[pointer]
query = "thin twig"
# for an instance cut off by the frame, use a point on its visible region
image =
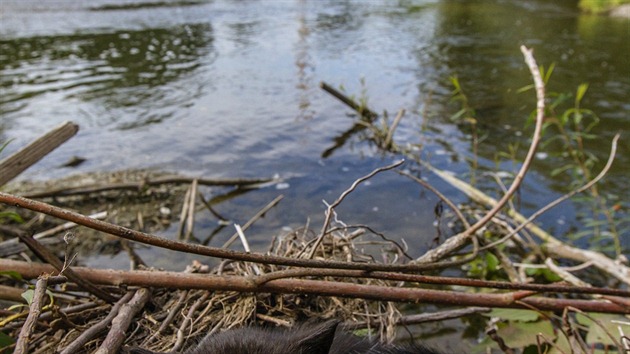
(458, 241)
(254, 218)
(390, 132)
(47, 256)
(331, 207)
(602, 173)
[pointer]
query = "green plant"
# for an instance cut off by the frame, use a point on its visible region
(568, 129)
(466, 116)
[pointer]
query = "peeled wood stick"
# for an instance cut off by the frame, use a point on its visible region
(96, 329)
(254, 218)
(15, 164)
(174, 280)
(190, 220)
(392, 129)
(121, 322)
(35, 310)
(182, 215)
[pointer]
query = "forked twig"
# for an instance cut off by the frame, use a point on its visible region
(331, 207)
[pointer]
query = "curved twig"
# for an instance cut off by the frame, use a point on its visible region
(331, 207)
(604, 171)
(458, 241)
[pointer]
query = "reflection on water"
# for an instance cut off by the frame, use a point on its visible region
(230, 88)
(109, 70)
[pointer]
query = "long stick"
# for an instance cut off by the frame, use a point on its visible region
(174, 280)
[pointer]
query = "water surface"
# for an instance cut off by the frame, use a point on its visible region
(230, 89)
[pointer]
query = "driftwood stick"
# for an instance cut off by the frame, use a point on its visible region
(121, 322)
(190, 220)
(96, 329)
(182, 215)
(239, 182)
(172, 280)
(364, 111)
(15, 164)
(392, 129)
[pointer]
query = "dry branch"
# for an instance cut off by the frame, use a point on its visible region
(46, 255)
(15, 164)
(363, 111)
(135, 186)
(153, 240)
(172, 280)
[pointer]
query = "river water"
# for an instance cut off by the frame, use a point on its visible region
(231, 89)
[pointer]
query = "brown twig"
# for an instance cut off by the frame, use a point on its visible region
(174, 280)
(331, 207)
(153, 240)
(43, 253)
(35, 308)
(363, 111)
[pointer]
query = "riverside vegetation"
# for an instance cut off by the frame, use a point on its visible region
(528, 290)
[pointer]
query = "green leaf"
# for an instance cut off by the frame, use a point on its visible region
(514, 314)
(5, 144)
(547, 75)
(11, 274)
(11, 215)
(5, 340)
(596, 332)
(522, 334)
(492, 261)
(581, 90)
(28, 296)
(525, 88)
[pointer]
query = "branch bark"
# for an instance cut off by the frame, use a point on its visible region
(172, 280)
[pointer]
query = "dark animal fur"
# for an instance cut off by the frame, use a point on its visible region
(322, 338)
